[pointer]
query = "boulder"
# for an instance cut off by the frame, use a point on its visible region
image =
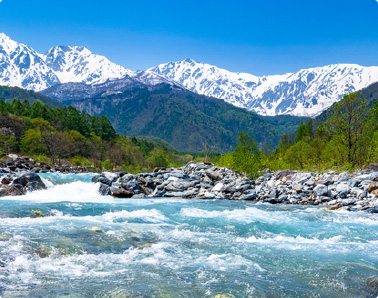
(121, 193)
(372, 186)
(343, 187)
(218, 187)
(101, 179)
(213, 175)
(5, 180)
(10, 190)
(321, 190)
(286, 173)
(104, 190)
(32, 179)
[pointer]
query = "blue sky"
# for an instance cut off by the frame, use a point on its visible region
(259, 37)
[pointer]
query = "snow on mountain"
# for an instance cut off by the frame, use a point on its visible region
(78, 64)
(22, 66)
(305, 93)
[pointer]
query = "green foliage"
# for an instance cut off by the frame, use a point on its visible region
(246, 158)
(53, 134)
(187, 121)
(8, 94)
(348, 139)
(349, 126)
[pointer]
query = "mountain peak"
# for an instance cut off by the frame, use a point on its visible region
(304, 93)
(24, 67)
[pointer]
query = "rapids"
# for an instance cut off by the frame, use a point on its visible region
(89, 245)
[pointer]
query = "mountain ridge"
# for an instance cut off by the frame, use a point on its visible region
(21, 66)
(306, 92)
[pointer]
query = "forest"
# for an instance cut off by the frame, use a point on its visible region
(347, 139)
(57, 135)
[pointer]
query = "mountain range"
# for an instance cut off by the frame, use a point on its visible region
(307, 92)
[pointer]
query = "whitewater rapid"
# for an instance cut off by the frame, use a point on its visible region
(159, 247)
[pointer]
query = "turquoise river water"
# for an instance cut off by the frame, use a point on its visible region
(158, 247)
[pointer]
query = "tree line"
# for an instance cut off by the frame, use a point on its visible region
(347, 140)
(55, 134)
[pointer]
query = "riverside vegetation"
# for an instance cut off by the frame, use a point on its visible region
(346, 139)
(66, 136)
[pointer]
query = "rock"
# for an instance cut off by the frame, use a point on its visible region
(372, 186)
(214, 175)
(286, 173)
(32, 179)
(37, 213)
(209, 195)
(178, 194)
(12, 157)
(320, 190)
(284, 179)
(101, 179)
(111, 176)
(121, 193)
(131, 185)
(96, 229)
(5, 180)
(104, 190)
(335, 207)
(372, 210)
(10, 190)
(251, 197)
(343, 187)
(34, 185)
(218, 187)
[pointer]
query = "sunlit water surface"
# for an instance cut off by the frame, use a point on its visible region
(160, 247)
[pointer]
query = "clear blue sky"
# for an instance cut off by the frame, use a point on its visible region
(259, 37)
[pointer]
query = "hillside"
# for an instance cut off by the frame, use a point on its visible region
(10, 93)
(369, 93)
(186, 120)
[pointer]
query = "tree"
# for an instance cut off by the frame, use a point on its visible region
(348, 125)
(247, 157)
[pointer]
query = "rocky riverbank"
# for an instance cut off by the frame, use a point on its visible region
(345, 191)
(18, 175)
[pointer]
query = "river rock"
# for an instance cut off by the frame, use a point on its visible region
(343, 187)
(10, 190)
(5, 180)
(213, 175)
(104, 190)
(372, 186)
(121, 193)
(321, 190)
(101, 179)
(32, 179)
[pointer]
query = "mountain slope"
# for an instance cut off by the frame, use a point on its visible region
(78, 64)
(305, 93)
(77, 91)
(10, 93)
(22, 66)
(186, 120)
(369, 93)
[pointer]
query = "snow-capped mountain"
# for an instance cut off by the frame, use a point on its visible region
(22, 66)
(305, 93)
(78, 64)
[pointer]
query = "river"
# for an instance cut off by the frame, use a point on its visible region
(87, 245)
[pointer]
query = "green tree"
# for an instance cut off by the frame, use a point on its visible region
(349, 127)
(247, 157)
